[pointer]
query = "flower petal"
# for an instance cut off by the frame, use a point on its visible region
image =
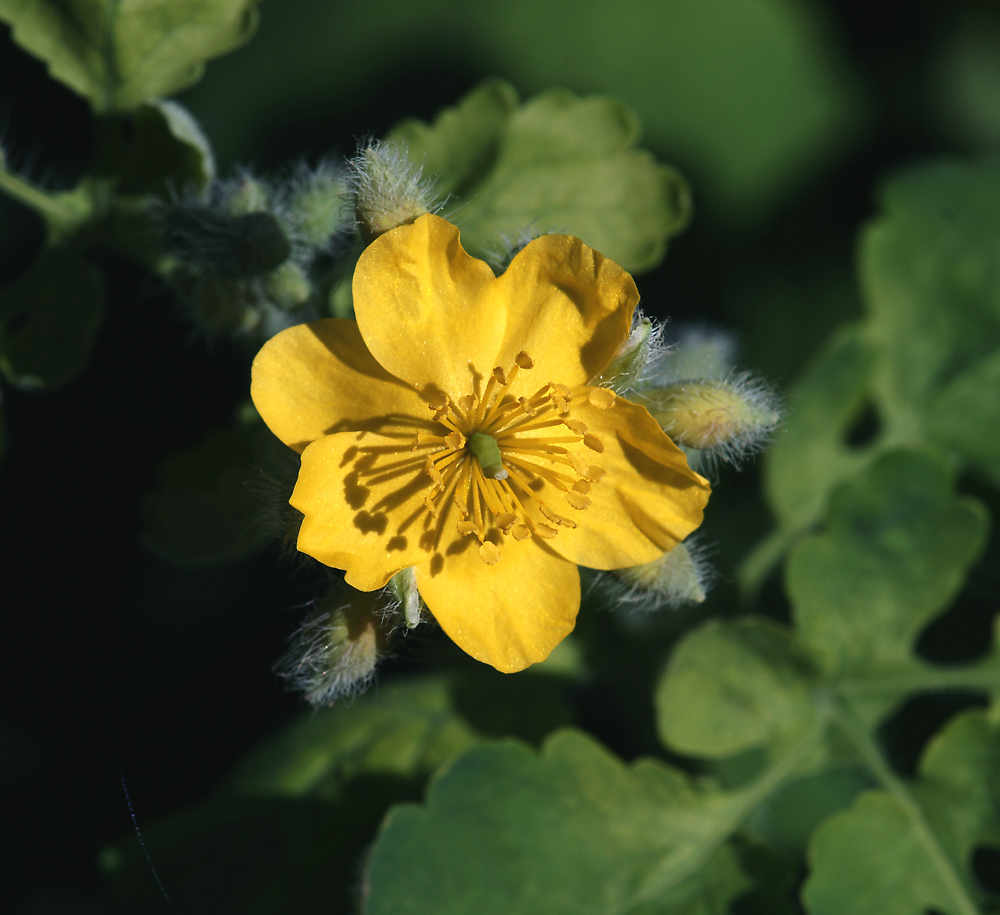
(314, 379)
(647, 501)
(438, 318)
(362, 498)
(510, 614)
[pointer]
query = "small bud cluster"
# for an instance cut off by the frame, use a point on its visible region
(711, 412)
(242, 256)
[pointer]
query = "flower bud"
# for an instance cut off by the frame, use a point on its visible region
(318, 206)
(238, 247)
(390, 191)
(403, 588)
(288, 286)
(676, 578)
(634, 353)
(333, 655)
(727, 419)
(245, 194)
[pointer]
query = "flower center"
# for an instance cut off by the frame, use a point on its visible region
(504, 460)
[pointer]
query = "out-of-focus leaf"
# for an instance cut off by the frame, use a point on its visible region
(734, 686)
(556, 163)
(117, 55)
(212, 502)
(49, 319)
(572, 830)
(157, 149)
(896, 548)
(753, 94)
(288, 826)
(926, 360)
(909, 850)
(405, 730)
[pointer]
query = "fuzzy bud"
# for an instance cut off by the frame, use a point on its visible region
(245, 194)
(403, 588)
(390, 191)
(333, 655)
(288, 286)
(676, 578)
(727, 419)
(632, 356)
(238, 247)
(319, 204)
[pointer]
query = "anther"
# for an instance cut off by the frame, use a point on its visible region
(593, 443)
(524, 360)
(488, 552)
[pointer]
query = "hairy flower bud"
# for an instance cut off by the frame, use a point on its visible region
(318, 206)
(635, 352)
(403, 588)
(288, 286)
(676, 578)
(390, 191)
(727, 419)
(333, 654)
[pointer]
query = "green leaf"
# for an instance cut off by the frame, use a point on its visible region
(118, 55)
(964, 415)
(734, 686)
(930, 274)
(572, 830)
(556, 163)
(897, 546)
(931, 828)
(403, 731)
(157, 149)
(49, 319)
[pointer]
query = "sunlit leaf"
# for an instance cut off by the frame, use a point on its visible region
(118, 55)
(556, 163)
(909, 850)
(572, 830)
(896, 548)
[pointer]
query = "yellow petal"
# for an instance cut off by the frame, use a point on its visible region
(647, 500)
(362, 497)
(510, 614)
(314, 379)
(434, 316)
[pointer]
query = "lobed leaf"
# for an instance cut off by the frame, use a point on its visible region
(909, 850)
(572, 830)
(120, 54)
(555, 163)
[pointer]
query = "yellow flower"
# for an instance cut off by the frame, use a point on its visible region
(451, 429)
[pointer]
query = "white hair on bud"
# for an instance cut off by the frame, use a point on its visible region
(679, 578)
(333, 654)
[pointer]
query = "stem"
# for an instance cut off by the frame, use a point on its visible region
(976, 677)
(689, 859)
(32, 197)
(896, 787)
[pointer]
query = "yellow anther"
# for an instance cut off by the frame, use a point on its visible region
(544, 531)
(431, 507)
(500, 375)
(455, 441)
(593, 443)
(577, 500)
(595, 474)
(488, 552)
(575, 425)
(467, 527)
(520, 531)
(433, 473)
(582, 486)
(526, 406)
(506, 520)
(524, 360)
